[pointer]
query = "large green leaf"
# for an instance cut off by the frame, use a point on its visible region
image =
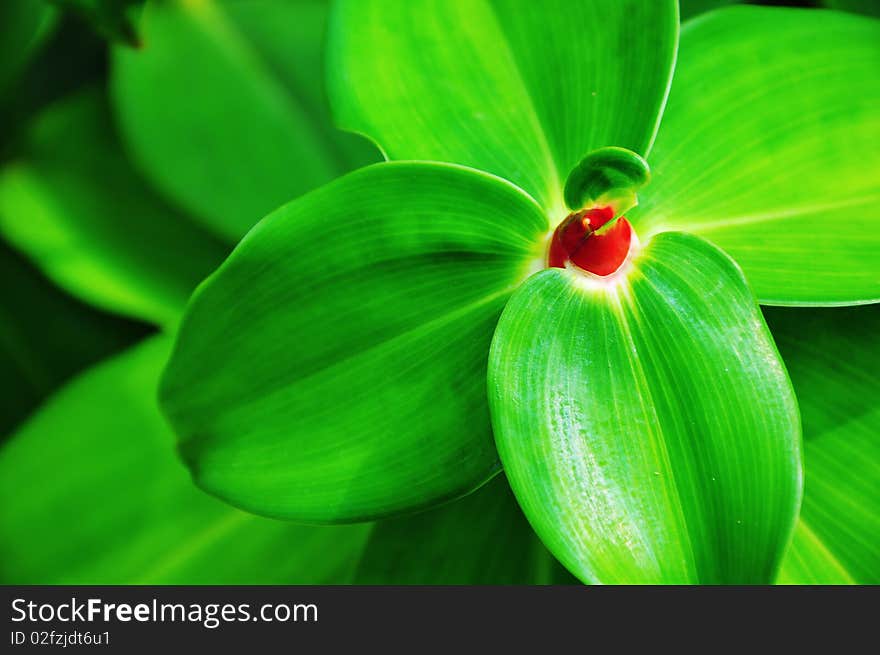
(480, 539)
(93, 494)
(833, 356)
(45, 337)
(646, 423)
(519, 89)
(333, 368)
(223, 107)
(770, 148)
(72, 203)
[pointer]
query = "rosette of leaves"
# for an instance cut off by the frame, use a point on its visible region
(389, 341)
(107, 479)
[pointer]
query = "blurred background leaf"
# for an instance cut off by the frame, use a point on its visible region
(71, 201)
(223, 107)
(24, 26)
(690, 8)
(45, 337)
(113, 19)
(833, 357)
(482, 538)
(868, 7)
(66, 58)
(94, 494)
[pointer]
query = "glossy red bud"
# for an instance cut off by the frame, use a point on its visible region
(575, 241)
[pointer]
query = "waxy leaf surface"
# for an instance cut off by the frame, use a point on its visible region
(223, 107)
(333, 368)
(833, 358)
(648, 428)
(482, 538)
(770, 147)
(72, 203)
(93, 493)
(522, 90)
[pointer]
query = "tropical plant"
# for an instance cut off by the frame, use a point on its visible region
(642, 414)
(563, 223)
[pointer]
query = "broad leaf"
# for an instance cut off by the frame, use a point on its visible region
(646, 423)
(519, 89)
(480, 539)
(45, 337)
(333, 368)
(223, 107)
(770, 148)
(93, 494)
(72, 203)
(833, 357)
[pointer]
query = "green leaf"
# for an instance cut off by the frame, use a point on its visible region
(770, 147)
(68, 58)
(519, 89)
(223, 108)
(607, 176)
(24, 25)
(333, 368)
(72, 203)
(646, 423)
(480, 539)
(833, 358)
(93, 494)
(45, 337)
(291, 38)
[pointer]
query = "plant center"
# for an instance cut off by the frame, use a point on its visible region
(578, 240)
